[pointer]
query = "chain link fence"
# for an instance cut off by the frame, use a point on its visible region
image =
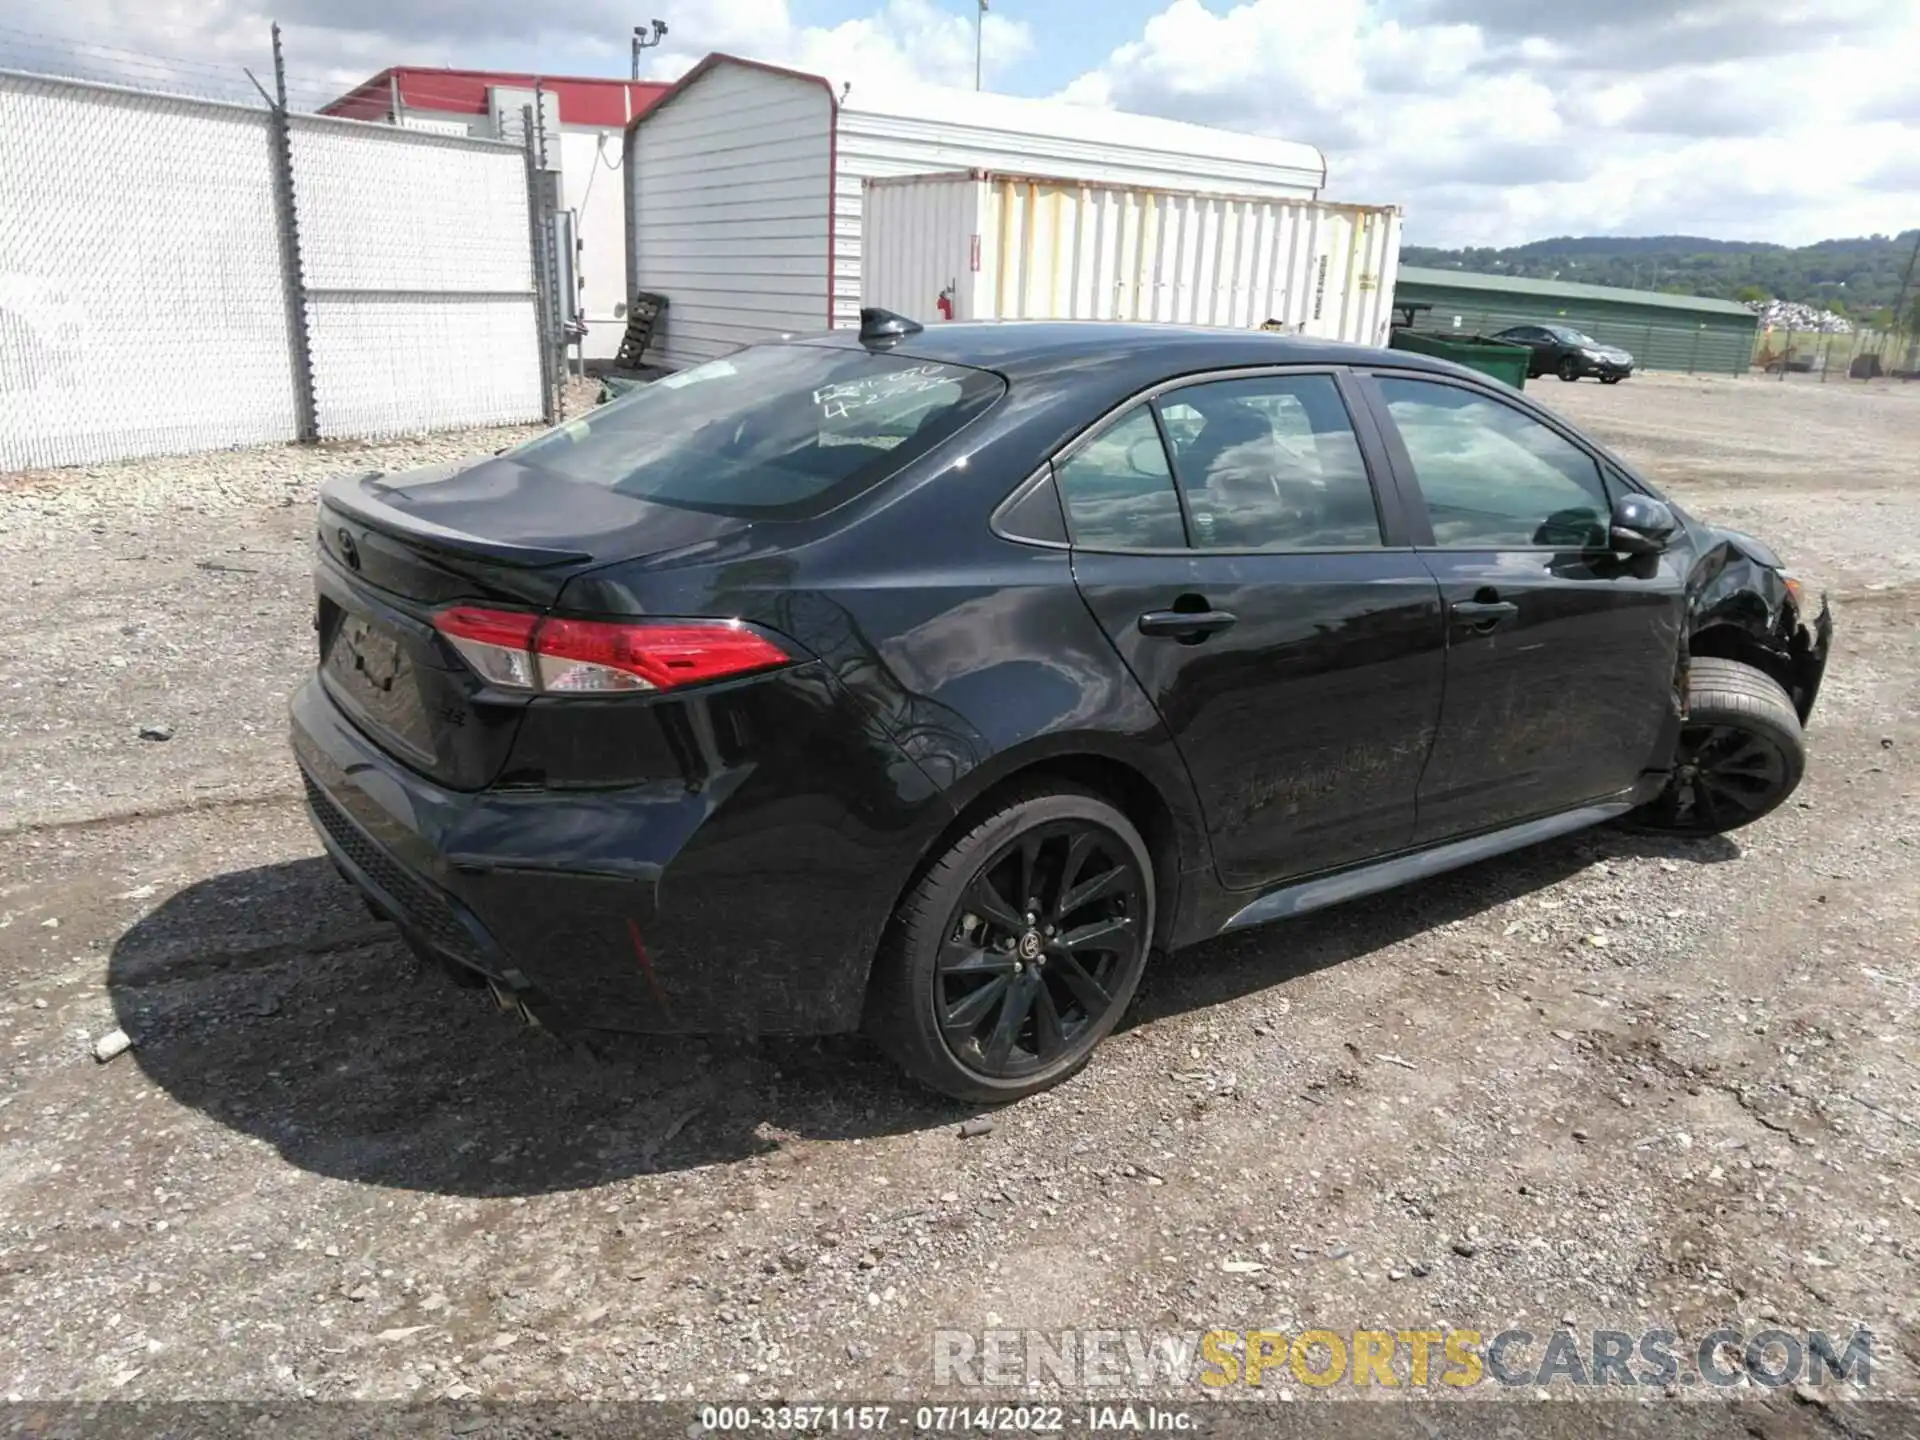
(180, 274)
(1862, 353)
(142, 309)
(420, 299)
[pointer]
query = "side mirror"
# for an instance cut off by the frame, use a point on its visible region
(1641, 525)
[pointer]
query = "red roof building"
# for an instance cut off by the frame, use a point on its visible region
(586, 101)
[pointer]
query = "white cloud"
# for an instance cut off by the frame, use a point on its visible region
(912, 40)
(331, 44)
(1491, 121)
(1495, 121)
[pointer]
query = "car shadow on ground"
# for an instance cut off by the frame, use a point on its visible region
(269, 1000)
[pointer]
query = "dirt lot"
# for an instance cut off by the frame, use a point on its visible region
(1614, 1081)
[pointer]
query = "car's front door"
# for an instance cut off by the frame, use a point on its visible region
(1271, 607)
(1561, 654)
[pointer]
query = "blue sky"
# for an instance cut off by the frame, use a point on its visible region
(1488, 121)
(1069, 37)
(1072, 35)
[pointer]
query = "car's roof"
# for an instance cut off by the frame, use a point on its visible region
(1030, 348)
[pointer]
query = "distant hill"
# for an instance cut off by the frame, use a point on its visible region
(1853, 277)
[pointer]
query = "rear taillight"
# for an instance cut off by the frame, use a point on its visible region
(518, 651)
(496, 643)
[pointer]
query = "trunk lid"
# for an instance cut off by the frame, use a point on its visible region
(394, 550)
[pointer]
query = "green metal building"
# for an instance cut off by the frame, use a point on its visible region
(1664, 332)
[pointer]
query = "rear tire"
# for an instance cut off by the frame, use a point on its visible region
(1741, 752)
(983, 996)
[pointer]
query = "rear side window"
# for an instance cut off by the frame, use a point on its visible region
(1118, 489)
(1271, 463)
(775, 432)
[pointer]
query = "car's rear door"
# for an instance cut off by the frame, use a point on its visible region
(1270, 605)
(1561, 654)
(1537, 340)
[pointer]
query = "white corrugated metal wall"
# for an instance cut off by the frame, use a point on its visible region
(1023, 247)
(921, 229)
(727, 210)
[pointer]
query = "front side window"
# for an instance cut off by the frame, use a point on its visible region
(773, 432)
(1270, 463)
(1493, 477)
(1118, 489)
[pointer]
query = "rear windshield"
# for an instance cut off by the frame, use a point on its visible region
(774, 432)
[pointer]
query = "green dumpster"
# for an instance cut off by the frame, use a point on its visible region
(1476, 352)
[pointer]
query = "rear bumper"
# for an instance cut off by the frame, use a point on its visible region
(751, 902)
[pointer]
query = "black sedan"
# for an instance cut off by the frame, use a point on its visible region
(1570, 354)
(929, 681)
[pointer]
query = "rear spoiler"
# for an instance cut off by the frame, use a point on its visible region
(354, 497)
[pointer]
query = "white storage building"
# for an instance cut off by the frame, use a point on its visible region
(745, 184)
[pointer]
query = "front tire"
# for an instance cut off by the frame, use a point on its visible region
(1611, 379)
(1019, 949)
(1741, 752)
(1569, 370)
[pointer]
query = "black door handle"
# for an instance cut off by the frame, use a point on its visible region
(1481, 616)
(1183, 623)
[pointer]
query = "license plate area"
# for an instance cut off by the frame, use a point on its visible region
(374, 674)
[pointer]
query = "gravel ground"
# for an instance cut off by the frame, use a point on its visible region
(1614, 1081)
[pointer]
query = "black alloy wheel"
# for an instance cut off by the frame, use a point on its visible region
(1019, 950)
(1723, 775)
(1569, 368)
(1740, 753)
(1043, 932)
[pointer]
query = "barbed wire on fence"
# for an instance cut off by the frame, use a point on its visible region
(308, 92)
(67, 57)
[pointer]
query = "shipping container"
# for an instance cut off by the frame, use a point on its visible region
(977, 245)
(745, 184)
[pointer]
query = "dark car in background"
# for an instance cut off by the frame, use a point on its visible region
(1569, 353)
(927, 682)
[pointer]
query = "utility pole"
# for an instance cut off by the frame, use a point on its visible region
(1901, 319)
(645, 40)
(979, 29)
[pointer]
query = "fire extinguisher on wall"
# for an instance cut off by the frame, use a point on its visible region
(945, 303)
